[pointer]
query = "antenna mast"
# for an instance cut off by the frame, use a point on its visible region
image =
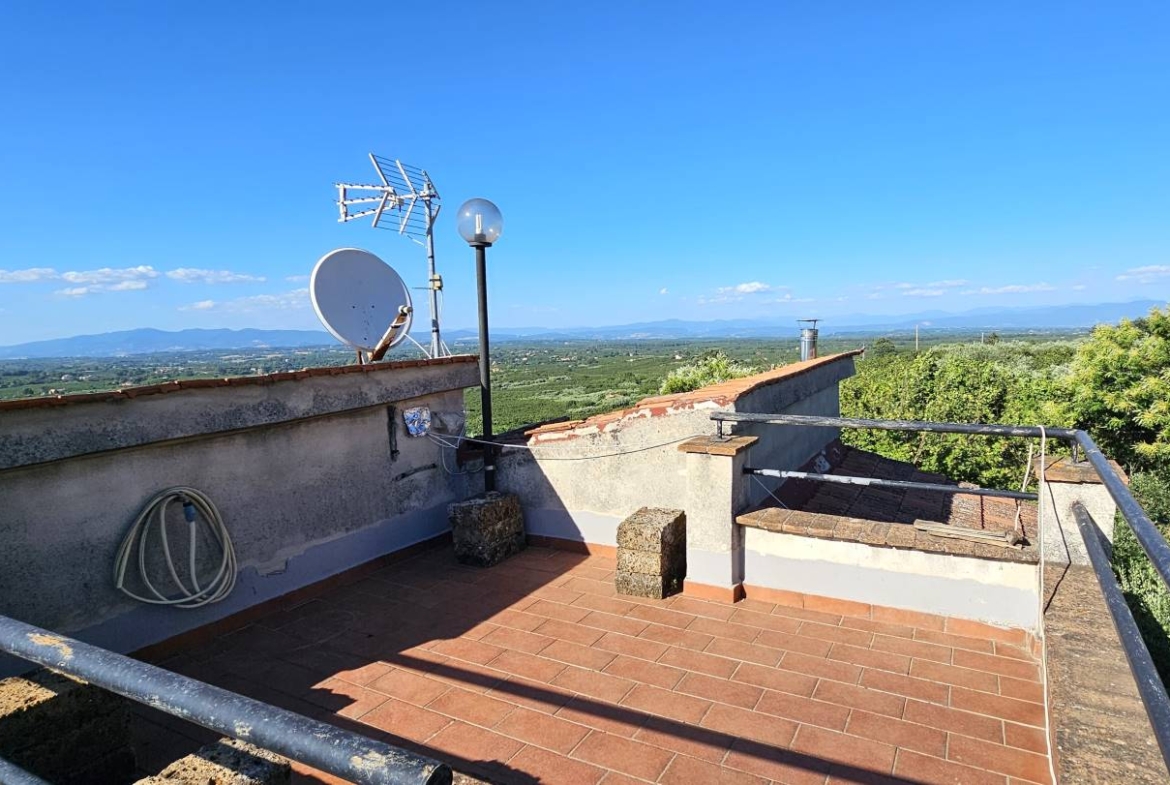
(393, 203)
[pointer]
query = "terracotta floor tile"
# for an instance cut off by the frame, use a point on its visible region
(409, 687)
(735, 693)
(699, 661)
(779, 765)
(614, 623)
(624, 755)
(911, 648)
(748, 652)
(526, 622)
(646, 672)
(765, 621)
(975, 629)
(675, 636)
(542, 730)
(821, 667)
(786, 641)
(355, 700)
(507, 638)
(776, 679)
(880, 660)
(921, 621)
(907, 686)
(879, 727)
(468, 650)
(530, 666)
(806, 614)
(995, 757)
(633, 647)
(697, 607)
(950, 674)
(594, 684)
(664, 703)
(544, 766)
(531, 694)
(855, 751)
(566, 631)
(835, 633)
(575, 654)
(962, 722)
(724, 629)
(471, 707)
(611, 605)
(736, 723)
(803, 710)
(923, 768)
(684, 770)
(405, 720)
(616, 720)
(859, 698)
(482, 747)
(662, 616)
(954, 641)
(995, 706)
(1025, 737)
(1003, 666)
(703, 743)
(879, 627)
(555, 610)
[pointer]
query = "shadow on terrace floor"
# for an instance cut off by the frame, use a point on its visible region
(443, 659)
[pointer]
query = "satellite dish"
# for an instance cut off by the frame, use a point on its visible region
(361, 300)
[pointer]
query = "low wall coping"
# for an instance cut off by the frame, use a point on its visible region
(713, 445)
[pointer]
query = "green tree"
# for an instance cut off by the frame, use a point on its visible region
(1119, 390)
(711, 367)
(882, 347)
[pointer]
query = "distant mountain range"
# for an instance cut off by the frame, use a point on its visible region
(147, 341)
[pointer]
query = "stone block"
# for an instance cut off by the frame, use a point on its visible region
(227, 762)
(487, 529)
(652, 553)
(652, 529)
(65, 730)
(655, 587)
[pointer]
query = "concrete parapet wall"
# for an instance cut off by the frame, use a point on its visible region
(583, 477)
(312, 476)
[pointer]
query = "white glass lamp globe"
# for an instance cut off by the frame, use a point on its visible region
(479, 222)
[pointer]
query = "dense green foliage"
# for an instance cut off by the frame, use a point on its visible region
(711, 367)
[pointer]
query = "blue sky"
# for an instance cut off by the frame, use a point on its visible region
(171, 165)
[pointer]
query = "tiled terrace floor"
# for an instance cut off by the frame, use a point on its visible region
(534, 671)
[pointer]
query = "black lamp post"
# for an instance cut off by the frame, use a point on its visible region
(480, 223)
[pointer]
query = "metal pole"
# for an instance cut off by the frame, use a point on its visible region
(1145, 675)
(432, 282)
(485, 370)
(976, 429)
(317, 744)
(902, 484)
(1148, 536)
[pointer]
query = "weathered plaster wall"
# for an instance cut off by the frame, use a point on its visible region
(312, 476)
(580, 482)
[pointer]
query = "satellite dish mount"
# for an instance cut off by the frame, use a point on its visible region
(407, 201)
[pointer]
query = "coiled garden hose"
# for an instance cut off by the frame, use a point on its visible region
(196, 505)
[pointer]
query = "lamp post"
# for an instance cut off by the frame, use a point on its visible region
(480, 223)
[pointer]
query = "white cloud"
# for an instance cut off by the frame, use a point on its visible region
(1013, 289)
(663, 291)
(1080, 287)
(31, 275)
(76, 291)
(296, 278)
(1147, 274)
(196, 275)
(126, 286)
(107, 276)
(948, 284)
(284, 301)
(751, 287)
(923, 292)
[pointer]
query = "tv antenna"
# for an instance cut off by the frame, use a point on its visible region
(362, 301)
(405, 200)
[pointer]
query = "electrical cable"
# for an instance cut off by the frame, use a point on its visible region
(500, 446)
(196, 505)
(769, 492)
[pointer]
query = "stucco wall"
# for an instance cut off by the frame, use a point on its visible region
(580, 483)
(312, 476)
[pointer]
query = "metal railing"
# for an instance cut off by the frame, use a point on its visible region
(1141, 665)
(312, 742)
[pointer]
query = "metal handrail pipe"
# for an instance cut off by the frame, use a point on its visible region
(1146, 532)
(1141, 665)
(11, 774)
(906, 485)
(974, 429)
(318, 744)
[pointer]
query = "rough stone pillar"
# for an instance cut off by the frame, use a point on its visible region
(652, 553)
(717, 489)
(1066, 482)
(487, 529)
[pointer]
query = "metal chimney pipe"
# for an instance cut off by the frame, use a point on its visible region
(808, 339)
